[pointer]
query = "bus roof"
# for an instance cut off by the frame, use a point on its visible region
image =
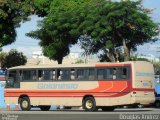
(75, 65)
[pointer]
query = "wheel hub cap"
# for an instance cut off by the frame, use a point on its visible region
(89, 104)
(24, 104)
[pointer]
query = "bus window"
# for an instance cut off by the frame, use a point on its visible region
(91, 74)
(33, 75)
(29, 75)
(66, 74)
(47, 75)
(114, 73)
(12, 81)
(40, 75)
(72, 74)
(109, 74)
(81, 74)
(59, 74)
(118, 73)
(123, 73)
(53, 74)
(101, 74)
(19, 75)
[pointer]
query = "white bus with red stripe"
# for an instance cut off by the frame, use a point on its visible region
(92, 86)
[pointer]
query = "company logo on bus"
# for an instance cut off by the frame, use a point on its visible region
(145, 84)
(57, 86)
(144, 74)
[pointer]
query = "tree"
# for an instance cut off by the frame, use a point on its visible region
(60, 27)
(157, 67)
(58, 30)
(2, 58)
(111, 25)
(56, 50)
(12, 13)
(14, 58)
(41, 7)
(85, 43)
(118, 24)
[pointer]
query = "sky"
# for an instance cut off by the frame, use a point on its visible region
(151, 49)
(27, 45)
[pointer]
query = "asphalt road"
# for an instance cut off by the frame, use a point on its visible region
(118, 114)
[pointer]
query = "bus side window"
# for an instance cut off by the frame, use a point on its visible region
(100, 74)
(81, 74)
(29, 75)
(33, 75)
(59, 74)
(72, 74)
(26, 75)
(54, 75)
(121, 73)
(40, 75)
(114, 73)
(124, 73)
(47, 75)
(20, 75)
(91, 74)
(66, 74)
(109, 74)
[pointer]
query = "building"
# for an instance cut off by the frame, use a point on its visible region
(38, 58)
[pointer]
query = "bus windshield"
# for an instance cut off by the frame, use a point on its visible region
(12, 82)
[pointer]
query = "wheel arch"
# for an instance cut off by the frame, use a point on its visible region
(88, 95)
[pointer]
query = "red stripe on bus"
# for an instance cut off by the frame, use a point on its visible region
(143, 89)
(46, 94)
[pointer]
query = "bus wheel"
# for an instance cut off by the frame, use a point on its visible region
(89, 104)
(45, 107)
(107, 108)
(25, 104)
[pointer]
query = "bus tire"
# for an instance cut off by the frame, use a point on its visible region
(45, 107)
(89, 104)
(110, 108)
(25, 104)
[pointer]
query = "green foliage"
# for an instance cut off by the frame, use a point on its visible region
(58, 30)
(14, 58)
(135, 58)
(110, 25)
(12, 13)
(79, 61)
(117, 24)
(2, 58)
(41, 7)
(56, 50)
(156, 67)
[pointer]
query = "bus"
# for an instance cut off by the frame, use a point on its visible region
(90, 86)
